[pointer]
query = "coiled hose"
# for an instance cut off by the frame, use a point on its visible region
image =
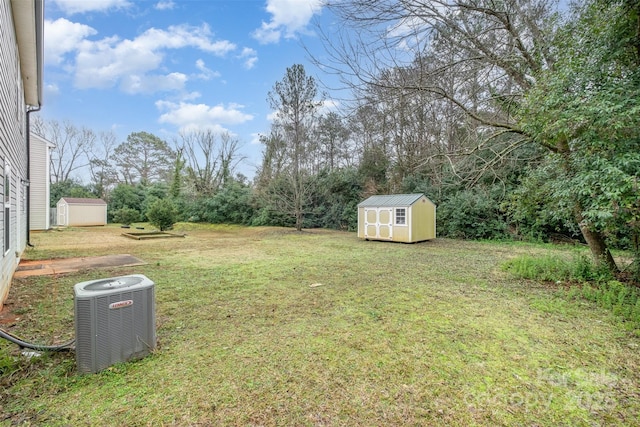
(67, 346)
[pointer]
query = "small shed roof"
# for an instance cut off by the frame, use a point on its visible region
(391, 200)
(82, 201)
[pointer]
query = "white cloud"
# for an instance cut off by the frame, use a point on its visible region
(190, 96)
(266, 34)
(288, 17)
(187, 116)
(133, 84)
(128, 63)
(250, 57)
(165, 5)
(83, 6)
(63, 36)
(51, 89)
(104, 63)
(249, 63)
(179, 36)
(205, 73)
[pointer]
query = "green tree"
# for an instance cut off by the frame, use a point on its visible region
(176, 182)
(586, 112)
(162, 214)
(471, 214)
(151, 193)
(69, 188)
(125, 196)
(293, 99)
(144, 158)
(337, 194)
(233, 204)
(333, 136)
(126, 216)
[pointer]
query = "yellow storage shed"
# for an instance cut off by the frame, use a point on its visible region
(406, 218)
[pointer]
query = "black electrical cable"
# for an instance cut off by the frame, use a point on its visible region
(23, 344)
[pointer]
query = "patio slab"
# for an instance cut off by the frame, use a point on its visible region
(69, 265)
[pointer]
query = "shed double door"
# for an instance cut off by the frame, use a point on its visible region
(378, 223)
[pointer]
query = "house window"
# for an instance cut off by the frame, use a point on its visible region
(7, 207)
(401, 216)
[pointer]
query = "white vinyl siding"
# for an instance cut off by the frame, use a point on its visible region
(13, 149)
(6, 198)
(39, 184)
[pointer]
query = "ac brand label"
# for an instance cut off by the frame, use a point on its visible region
(120, 304)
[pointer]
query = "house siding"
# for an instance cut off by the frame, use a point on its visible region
(12, 148)
(39, 184)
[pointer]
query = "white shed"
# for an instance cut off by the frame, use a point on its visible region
(78, 212)
(39, 199)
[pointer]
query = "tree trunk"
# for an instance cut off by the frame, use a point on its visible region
(299, 221)
(596, 241)
(599, 250)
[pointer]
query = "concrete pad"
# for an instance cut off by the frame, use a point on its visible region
(70, 265)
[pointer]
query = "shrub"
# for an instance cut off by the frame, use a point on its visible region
(547, 268)
(596, 282)
(231, 205)
(125, 196)
(335, 195)
(162, 214)
(126, 216)
(470, 214)
(623, 300)
(552, 268)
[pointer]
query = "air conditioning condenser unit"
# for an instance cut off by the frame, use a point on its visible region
(114, 321)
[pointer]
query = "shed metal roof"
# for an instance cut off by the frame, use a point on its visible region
(391, 200)
(81, 201)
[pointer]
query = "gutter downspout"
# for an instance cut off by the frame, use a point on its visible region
(28, 227)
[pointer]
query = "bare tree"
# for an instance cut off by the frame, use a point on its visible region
(103, 174)
(479, 55)
(333, 138)
(370, 146)
(273, 157)
(211, 159)
(230, 157)
(71, 145)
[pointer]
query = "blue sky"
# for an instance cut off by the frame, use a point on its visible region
(165, 66)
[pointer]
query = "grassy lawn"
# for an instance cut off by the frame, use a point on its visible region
(269, 327)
